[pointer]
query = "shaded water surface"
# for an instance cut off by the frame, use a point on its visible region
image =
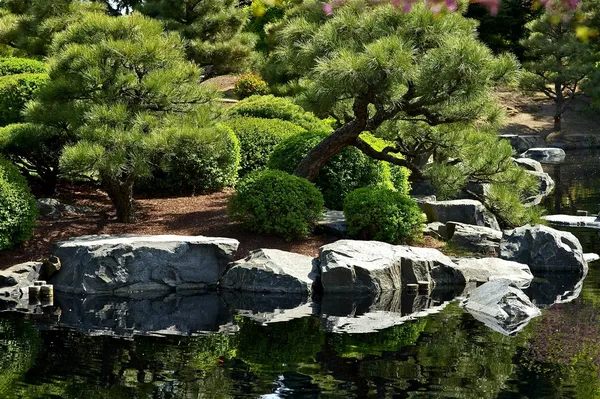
(428, 347)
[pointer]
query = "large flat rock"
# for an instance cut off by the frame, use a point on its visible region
(476, 239)
(139, 263)
(590, 222)
(543, 248)
(461, 211)
(487, 269)
(272, 270)
(349, 266)
(501, 306)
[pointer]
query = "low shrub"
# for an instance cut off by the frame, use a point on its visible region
(16, 66)
(375, 213)
(344, 173)
(271, 201)
(18, 209)
(194, 160)
(271, 107)
(15, 92)
(36, 150)
(250, 84)
(258, 137)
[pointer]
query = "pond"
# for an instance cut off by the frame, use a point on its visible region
(439, 352)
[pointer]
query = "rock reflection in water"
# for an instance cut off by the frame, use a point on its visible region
(548, 288)
(163, 315)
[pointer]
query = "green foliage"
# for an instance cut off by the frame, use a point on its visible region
(117, 83)
(195, 159)
(375, 213)
(212, 28)
(258, 137)
(36, 150)
(271, 107)
(393, 339)
(560, 62)
(344, 173)
(278, 345)
(272, 201)
(28, 27)
(18, 209)
(503, 31)
(16, 66)
(250, 84)
(15, 92)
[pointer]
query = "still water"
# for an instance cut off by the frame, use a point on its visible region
(443, 353)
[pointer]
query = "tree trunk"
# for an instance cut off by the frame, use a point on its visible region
(121, 196)
(557, 123)
(48, 183)
(343, 137)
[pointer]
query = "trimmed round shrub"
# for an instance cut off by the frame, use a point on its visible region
(376, 213)
(15, 92)
(344, 173)
(250, 84)
(271, 201)
(18, 209)
(271, 107)
(195, 160)
(16, 66)
(258, 137)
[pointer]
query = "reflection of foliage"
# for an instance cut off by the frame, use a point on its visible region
(297, 341)
(388, 340)
(19, 345)
(565, 350)
(477, 362)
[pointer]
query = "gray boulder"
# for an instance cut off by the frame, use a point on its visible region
(548, 155)
(529, 164)
(15, 282)
(487, 269)
(474, 238)
(501, 306)
(462, 211)
(349, 266)
(544, 249)
(54, 209)
(435, 230)
(524, 142)
(272, 270)
(138, 263)
(333, 223)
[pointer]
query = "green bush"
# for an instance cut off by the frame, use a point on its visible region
(271, 107)
(15, 92)
(18, 209)
(195, 160)
(258, 137)
(375, 213)
(36, 150)
(271, 201)
(344, 173)
(250, 84)
(16, 66)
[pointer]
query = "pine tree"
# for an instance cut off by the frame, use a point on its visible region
(560, 61)
(115, 84)
(28, 26)
(373, 68)
(213, 28)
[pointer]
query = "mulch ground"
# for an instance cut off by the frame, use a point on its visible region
(198, 215)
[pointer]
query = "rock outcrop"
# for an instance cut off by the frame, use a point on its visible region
(138, 263)
(461, 211)
(529, 164)
(272, 270)
(14, 284)
(548, 155)
(54, 209)
(544, 249)
(501, 306)
(523, 142)
(349, 266)
(488, 269)
(471, 238)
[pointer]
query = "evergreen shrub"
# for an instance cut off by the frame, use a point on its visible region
(15, 92)
(250, 84)
(271, 201)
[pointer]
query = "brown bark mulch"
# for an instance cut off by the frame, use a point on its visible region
(195, 215)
